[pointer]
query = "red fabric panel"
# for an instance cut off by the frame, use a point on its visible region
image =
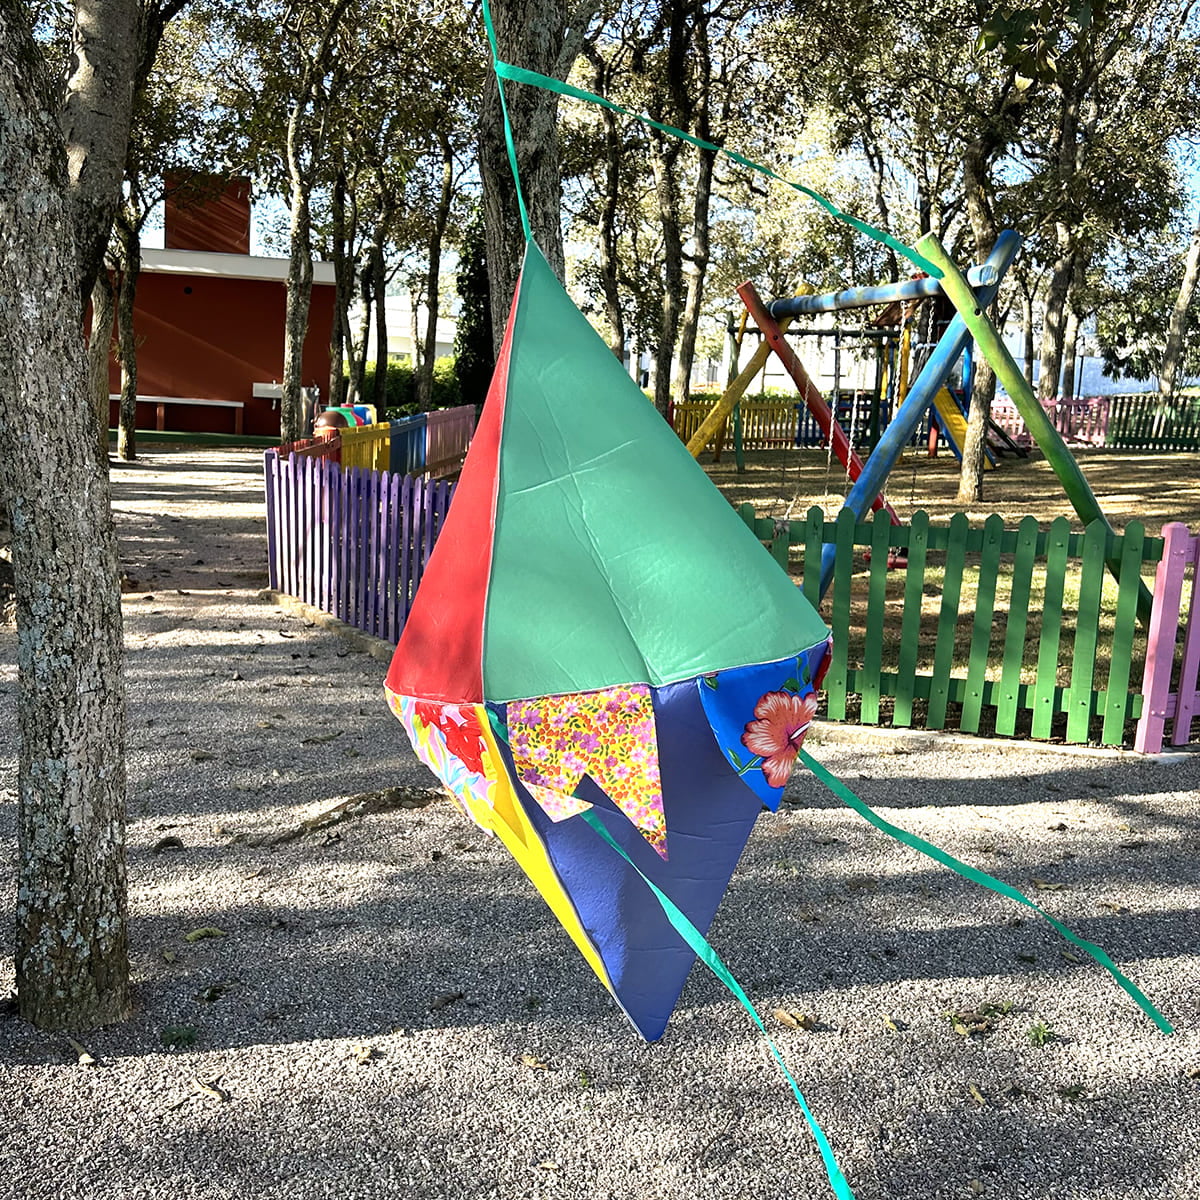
(440, 655)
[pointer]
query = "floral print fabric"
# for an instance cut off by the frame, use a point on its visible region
(760, 715)
(448, 739)
(609, 735)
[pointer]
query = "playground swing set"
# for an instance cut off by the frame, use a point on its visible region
(971, 329)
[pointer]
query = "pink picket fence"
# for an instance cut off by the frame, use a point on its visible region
(353, 543)
(1171, 683)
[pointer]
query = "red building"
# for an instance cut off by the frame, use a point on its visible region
(209, 321)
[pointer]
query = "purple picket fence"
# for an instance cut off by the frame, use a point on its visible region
(1171, 683)
(352, 543)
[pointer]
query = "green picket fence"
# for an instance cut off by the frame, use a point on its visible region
(1016, 632)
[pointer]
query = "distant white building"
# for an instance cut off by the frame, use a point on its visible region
(400, 330)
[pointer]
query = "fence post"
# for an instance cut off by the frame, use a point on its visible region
(1160, 641)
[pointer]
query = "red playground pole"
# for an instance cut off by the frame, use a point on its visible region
(809, 392)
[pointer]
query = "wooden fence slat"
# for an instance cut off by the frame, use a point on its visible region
(943, 654)
(837, 680)
(910, 624)
(1044, 695)
(1016, 626)
(1189, 666)
(876, 608)
(1117, 701)
(981, 626)
(1081, 702)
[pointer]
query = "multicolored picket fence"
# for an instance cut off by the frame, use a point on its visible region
(432, 443)
(1016, 632)
(1138, 421)
(351, 542)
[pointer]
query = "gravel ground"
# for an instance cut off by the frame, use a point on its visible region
(391, 1011)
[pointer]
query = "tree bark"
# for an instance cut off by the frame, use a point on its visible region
(71, 948)
(1027, 334)
(698, 270)
(299, 291)
(100, 341)
(130, 244)
(343, 275)
(663, 159)
(95, 120)
(610, 259)
(1173, 351)
(432, 278)
(981, 214)
(1070, 350)
(379, 395)
(543, 36)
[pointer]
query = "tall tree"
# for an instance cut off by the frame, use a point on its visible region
(60, 182)
(543, 36)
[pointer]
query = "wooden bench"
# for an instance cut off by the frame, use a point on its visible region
(161, 402)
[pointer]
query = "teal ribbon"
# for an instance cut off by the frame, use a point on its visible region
(508, 133)
(709, 957)
(847, 797)
(506, 70)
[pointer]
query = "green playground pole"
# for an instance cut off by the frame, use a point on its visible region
(1040, 427)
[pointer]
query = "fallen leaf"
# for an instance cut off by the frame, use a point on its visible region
(445, 1000)
(1133, 844)
(85, 1058)
(1193, 1072)
(362, 1052)
(1069, 957)
(202, 755)
(977, 1095)
(1044, 885)
(533, 1063)
(976, 1187)
(170, 842)
(891, 1023)
(208, 931)
(1113, 906)
(209, 1088)
(793, 1018)
(549, 1165)
(1061, 827)
(169, 956)
(318, 738)
(1029, 958)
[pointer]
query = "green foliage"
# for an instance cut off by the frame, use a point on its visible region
(1040, 1034)
(400, 395)
(473, 339)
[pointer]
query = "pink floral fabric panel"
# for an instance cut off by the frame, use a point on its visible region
(609, 735)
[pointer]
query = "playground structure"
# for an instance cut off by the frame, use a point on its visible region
(970, 294)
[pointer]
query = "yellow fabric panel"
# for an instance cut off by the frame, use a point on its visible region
(512, 826)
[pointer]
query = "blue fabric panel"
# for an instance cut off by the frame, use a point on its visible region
(709, 813)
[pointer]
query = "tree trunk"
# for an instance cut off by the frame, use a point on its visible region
(981, 213)
(131, 267)
(71, 955)
(610, 259)
(99, 351)
(1173, 351)
(544, 36)
(1027, 334)
(696, 275)
(343, 275)
(663, 159)
(1070, 350)
(440, 221)
(95, 120)
(299, 296)
(358, 364)
(1054, 324)
(379, 396)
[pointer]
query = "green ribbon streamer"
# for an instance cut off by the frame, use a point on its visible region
(508, 133)
(847, 797)
(707, 955)
(505, 70)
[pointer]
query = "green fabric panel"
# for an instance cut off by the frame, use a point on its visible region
(709, 957)
(913, 842)
(615, 559)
